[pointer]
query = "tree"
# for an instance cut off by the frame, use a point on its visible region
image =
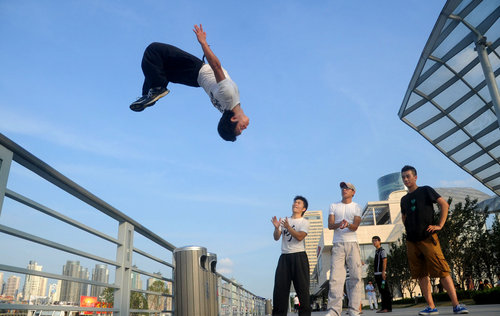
(494, 236)
(138, 300)
(464, 234)
(108, 295)
(370, 276)
(398, 271)
(157, 302)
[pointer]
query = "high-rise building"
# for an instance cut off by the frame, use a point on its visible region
(389, 183)
(99, 274)
(1, 283)
(84, 287)
(136, 280)
(34, 285)
(12, 286)
(315, 219)
(71, 291)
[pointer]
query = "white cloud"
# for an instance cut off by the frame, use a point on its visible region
(225, 266)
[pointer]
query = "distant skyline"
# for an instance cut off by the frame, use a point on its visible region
(321, 81)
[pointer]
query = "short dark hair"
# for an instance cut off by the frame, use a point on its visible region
(376, 237)
(304, 200)
(409, 168)
(226, 127)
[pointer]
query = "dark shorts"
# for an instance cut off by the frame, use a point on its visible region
(426, 258)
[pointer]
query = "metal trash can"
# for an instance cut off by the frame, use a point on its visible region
(213, 304)
(191, 290)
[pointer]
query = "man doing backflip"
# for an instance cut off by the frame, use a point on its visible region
(163, 63)
(293, 265)
(424, 251)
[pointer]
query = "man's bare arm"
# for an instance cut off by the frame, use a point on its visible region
(213, 61)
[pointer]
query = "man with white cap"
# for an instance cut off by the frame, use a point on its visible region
(344, 219)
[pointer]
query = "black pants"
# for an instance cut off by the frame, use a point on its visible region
(385, 293)
(163, 63)
(292, 267)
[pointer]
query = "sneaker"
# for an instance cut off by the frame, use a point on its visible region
(460, 309)
(154, 94)
(429, 311)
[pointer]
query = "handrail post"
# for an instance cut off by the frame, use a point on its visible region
(5, 161)
(124, 272)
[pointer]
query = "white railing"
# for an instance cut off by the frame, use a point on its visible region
(68, 224)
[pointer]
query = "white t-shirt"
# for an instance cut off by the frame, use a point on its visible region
(343, 211)
(290, 244)
(224, 94)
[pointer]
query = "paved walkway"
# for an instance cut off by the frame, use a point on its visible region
(479, 310)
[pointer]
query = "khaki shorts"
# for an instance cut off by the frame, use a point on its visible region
(426, 258)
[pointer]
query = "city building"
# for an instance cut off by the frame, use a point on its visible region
(84, 287)
(389, 183)
(99, 274)
(12, 287)
(34, 285)
(315, 219)
(459, 194)
(136, 280)
(71, 291)
(1, 283)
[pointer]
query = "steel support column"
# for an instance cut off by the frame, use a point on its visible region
(124, 272)
(489, 76)
(5, 161)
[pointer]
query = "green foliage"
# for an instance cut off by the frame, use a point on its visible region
(444, 297)
(437, 297)
(466, 244)
(409, 301)
(469, 248)
(370, 276)
(489, 296)
(108, 295)
(157, 302)
(138, 300)
(398, 272)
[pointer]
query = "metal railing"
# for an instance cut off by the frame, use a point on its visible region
(133, 250)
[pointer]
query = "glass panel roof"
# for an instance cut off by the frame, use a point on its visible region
(448, 101)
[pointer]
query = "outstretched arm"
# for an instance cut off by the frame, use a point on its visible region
(213, 61)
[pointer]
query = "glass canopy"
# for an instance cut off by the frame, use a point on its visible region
(449, 99)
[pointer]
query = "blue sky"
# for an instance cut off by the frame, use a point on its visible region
(321, 81)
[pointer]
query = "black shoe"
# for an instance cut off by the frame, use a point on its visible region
(154, 94)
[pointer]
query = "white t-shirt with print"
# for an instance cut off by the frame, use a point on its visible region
(290, 244)
(343, 211)
(224, 95)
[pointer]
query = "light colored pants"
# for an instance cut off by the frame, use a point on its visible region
(372, 298)
(345, 254)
